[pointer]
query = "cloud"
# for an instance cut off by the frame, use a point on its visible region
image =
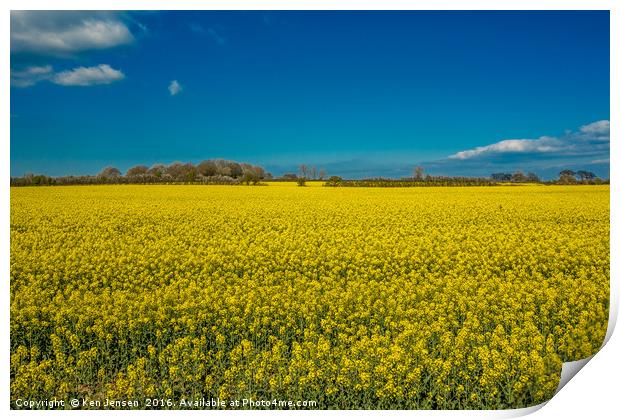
(65, 32)
(597, 129)
(211, 32)
(590, 139)
(216, 36)
(196, 28)
(30, 75)
(586, 148)
(102, 74)
(600, 161)
(174, 88)
(542, 145)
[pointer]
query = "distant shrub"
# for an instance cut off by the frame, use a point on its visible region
(334, 181)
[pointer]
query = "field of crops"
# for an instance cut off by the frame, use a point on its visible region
(464, 297)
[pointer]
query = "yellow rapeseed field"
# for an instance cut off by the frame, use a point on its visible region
(353, 297)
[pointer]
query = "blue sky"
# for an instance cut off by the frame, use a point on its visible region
(357, 93)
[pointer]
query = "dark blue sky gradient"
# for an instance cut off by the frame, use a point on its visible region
(360, 93)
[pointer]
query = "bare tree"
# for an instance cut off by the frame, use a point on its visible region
(418, 172)
(235, 169)
(137, 170)
(567, 177)
(501, 176)
(585, 175)
(260, 172)
(249, 175)
(207, 168)
(532, 177)
(518, 177)
(189, 172)
(157, 170)
(110, 172)
(175, 170)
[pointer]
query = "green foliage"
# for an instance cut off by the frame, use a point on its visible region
(334, 181)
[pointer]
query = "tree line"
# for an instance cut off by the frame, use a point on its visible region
(228, 172)
(418, 179)
(213, 171)
(426, 181)
(565, 177)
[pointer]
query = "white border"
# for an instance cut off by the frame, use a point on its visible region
(592, 394)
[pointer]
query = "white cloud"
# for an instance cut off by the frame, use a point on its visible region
(591, 138)
(102, 74)
(211, 32)
(216, 36)
(196, 28)
(542, 145)
(174, 87)
(30, 75)
(598, 129)
(600, 161)
(64, 32)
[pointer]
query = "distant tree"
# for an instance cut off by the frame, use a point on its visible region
(303, 170)
(334, 181)
(567, 177)
(136, 170)
(207, 168)
(314, 173)
(249, 176)
(409, 182)
(501, 177)
(182, 172)
(518, 177)
(42, 180)
(252, 174)
(189, 172)
(32, 179)
(109, 172)
(418, 173)
(157, 170)
(322, 174)
(532, 177)
(289, 176)
(235, 169)
(301, 181)
(260, 172)
(176, 171)
(224, 170)
(586, 175)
